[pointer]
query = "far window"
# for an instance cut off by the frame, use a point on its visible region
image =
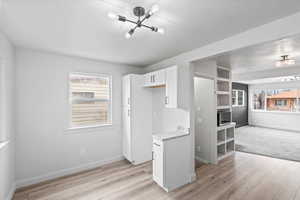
(238, 97)
(280, 102)
(90, 99)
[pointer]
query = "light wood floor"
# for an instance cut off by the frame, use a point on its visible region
(244, 177)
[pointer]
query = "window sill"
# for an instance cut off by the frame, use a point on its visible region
(88, 128)
(276, 112)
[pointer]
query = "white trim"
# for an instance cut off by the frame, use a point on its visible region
(11, 192)
(65, 172)
(201, 160)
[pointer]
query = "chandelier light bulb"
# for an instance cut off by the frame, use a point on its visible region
(127, 36)
(161, 31)
(112, 15)
(154, 9)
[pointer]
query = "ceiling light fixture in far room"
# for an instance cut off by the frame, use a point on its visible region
(285, 61)
(142, 16)
(290, 78)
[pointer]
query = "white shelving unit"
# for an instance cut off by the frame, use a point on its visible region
(225, 134)
(225, 141)
(223, 88)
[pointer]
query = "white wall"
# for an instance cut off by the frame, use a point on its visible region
(166, 119)
(45, 147)
(7, 100)
(274, 119)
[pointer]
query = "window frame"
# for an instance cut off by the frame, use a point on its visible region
(265, 110)
(237, 98)
(110, 113)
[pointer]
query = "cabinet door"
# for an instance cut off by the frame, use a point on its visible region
(159, 77)
(171, 87)
(158, 163)
(127, 133)
(126, 90)
(148, 80)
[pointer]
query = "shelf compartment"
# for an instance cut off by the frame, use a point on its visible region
(223, 73)
(221, 137)
(223, 100)
(230, 133)
(223, 85)
(221, 150)
(230, 146)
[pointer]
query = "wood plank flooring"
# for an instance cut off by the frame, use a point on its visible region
(243, 176)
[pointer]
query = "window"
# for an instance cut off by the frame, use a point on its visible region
(281, 102)
(276, 100)
(90, 99)
(238, 97)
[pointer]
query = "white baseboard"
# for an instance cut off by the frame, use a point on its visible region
(275, 128)
(201, 160)
(65, 172)
(11, 192)
(193, 177)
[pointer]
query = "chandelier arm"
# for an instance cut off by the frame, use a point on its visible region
(133, 22)
(146, 26)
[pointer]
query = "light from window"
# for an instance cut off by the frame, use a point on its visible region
(238, 97)
(276, 100)
(90, 98)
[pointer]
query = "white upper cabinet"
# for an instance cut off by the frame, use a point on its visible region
(159, 77)
(154, 79)
(171, 87)
(126, 91)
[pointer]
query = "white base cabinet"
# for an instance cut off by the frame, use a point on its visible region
(171, 160)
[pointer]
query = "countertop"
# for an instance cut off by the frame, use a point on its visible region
(170, 135)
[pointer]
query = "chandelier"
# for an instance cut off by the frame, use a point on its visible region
(285, 60)
(142, 16)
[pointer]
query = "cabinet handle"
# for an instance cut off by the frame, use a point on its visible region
(166, 100)
(156, 144)
(128, 101)
(153, 78)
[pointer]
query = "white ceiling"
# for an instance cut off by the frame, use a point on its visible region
(81, 27)
(261, 57)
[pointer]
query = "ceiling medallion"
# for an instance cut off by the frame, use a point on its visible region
(142, 16)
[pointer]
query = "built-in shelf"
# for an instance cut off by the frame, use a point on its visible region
(223, 92)
(223, 107)
(223, 79)
(223, 72)
(225, 140)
